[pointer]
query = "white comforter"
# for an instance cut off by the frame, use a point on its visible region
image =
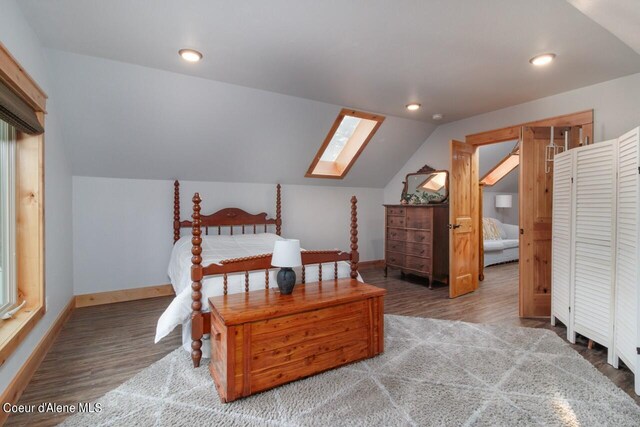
(214, 250)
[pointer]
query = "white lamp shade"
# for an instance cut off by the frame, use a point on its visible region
(503, 200)
(286, 253)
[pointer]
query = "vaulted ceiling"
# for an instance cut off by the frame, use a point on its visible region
(455, 57)
(621, 17)
(489, 157)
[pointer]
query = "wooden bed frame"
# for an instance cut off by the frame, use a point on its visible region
(230, 217)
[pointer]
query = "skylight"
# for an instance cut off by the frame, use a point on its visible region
(350, 133)
(502, 169)
(435, 182)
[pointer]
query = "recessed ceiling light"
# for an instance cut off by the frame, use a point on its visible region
(543, 59)
(437, 116)
(413, 107)
(190, 55)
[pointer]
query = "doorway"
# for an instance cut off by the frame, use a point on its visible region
(499, 199)
(534, 205)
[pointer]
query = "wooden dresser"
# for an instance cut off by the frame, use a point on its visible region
(417, 240)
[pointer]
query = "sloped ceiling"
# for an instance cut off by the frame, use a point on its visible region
(456, 57)
(276, 73)
(489, 156)
(127, 121)
(620, 17)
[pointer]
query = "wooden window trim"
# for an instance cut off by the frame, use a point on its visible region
(18, 80)
(340, 168)
(498, 166)
(29, 210)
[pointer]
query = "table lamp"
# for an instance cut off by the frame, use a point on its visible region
(286, 254)
(503, 201)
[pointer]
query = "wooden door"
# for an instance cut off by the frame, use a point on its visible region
(464, 219)
(536, 192)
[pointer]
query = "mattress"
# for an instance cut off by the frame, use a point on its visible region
(214, 250)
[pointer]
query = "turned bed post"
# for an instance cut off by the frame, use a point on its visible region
(355, 257)
(278, 211)
(176, 211)
(196, 279)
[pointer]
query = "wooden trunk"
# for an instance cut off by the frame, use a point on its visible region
(417, 240)
(262, 339)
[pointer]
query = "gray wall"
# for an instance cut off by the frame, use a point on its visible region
(489, 210)
(133, 129)
(120, 116)
(126, 224)
(615, 102)
(18, 37)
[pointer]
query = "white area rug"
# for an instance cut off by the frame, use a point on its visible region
(433, 372)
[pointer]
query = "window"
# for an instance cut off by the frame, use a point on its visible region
(22, 287)
(503, 168)
(349, 135)
(8, 284)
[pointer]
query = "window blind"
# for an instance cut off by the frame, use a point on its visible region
(18, 113)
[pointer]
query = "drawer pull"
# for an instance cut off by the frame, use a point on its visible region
(215, 334)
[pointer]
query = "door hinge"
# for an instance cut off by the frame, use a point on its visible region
(572, 180)
(522, 231)
(638, 169)
(569, 309)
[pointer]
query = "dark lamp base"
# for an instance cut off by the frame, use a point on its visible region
(286, 280)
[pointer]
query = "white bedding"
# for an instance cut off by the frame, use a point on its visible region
(216, 249)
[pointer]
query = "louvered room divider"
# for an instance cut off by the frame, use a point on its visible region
(595, 250)
(561, 240)
(627, 301)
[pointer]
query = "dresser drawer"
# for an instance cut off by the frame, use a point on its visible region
(394, 258)
(393, 210)
(420, 218)
(395, 221)
(396, 234)
(395, 246)
(418, 236)
(419, 264)
(422, 250)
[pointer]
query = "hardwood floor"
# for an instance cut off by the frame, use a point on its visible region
(103, 346)
(495, 302)
(98, 349)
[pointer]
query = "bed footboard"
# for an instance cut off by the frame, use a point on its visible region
(196, 284)
(355, 255)
(200, 321)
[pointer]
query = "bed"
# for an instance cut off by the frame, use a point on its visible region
(229, 251)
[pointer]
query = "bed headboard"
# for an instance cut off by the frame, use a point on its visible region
(228, 217)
